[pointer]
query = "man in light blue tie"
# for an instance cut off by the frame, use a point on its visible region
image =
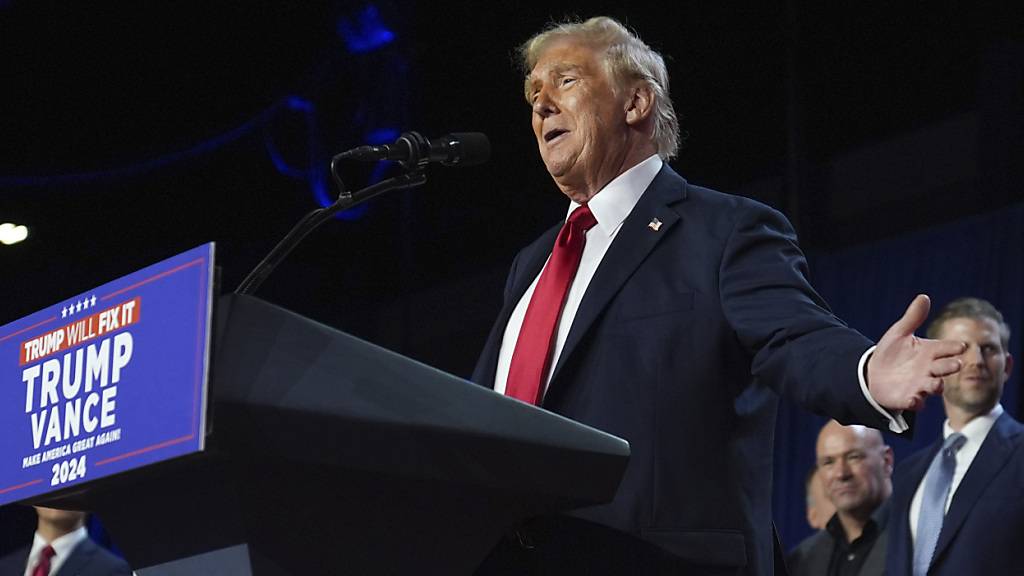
(958, 506)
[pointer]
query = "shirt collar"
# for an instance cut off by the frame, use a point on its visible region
(616, 200)
(835, 527)
(62, 546)
(977, 428)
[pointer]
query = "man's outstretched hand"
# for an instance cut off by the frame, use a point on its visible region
(905, 369)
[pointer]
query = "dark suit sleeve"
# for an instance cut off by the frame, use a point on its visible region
(112, 565)
(510, 281)
(90, 559)
(798, 346)
(14, 562)
(483, 373)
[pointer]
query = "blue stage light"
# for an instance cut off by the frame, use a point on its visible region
(299, 103)
(382, 136)
(365, 32)
(280, 163)
(321, 191)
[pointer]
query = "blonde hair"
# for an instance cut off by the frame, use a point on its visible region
(975, 309)
(627, 58)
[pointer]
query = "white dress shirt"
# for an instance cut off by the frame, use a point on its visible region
(61, 546)
(975, 431)
(897, 423)
(610, 207)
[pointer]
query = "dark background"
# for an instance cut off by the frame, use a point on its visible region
(132, 131)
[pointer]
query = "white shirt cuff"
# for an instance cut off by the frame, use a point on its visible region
(897, 423)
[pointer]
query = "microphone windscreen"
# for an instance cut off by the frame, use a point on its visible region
(475, 148)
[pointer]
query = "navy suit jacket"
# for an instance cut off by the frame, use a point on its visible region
(984, 526)
(86, 559)
(680, 344)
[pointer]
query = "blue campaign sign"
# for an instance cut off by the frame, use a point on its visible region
(106, 381)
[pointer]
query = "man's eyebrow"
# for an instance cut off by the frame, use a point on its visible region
(555, 69)
(564, 67)
(841, 454)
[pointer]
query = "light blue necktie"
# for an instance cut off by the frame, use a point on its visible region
(933, 504)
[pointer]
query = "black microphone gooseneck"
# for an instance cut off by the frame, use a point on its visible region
(312, 220)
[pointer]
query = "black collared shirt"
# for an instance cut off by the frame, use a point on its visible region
(848, 557)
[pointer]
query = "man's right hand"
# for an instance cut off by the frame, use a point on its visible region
(904, 369)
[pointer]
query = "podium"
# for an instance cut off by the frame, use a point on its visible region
(326, 454)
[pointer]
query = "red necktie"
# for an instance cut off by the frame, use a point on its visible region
(43, 567)
(532, 356)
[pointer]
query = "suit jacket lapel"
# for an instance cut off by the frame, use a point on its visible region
(875, 562)
(819, 555)
(993, 455)
(631, 246)
(527, 266)
(79, 557)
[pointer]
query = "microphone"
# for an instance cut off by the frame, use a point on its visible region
(411, 148)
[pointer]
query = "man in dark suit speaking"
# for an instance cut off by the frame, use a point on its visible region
(672, 316)
(958, 506)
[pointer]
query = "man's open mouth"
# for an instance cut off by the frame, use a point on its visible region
(555, 133)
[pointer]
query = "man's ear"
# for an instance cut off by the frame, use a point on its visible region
(640, 104)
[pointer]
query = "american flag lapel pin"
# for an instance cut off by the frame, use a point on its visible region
(654, 224)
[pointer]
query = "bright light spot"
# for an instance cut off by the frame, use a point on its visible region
(11, 234)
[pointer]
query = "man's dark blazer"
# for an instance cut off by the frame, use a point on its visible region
(812, 556)
(86, 559)
(686, 333)
(984, 526)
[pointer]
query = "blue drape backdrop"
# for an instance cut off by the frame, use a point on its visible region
(870, 286)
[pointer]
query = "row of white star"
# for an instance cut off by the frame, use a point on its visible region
(78, 306)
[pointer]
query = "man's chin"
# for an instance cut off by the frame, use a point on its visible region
(854, 508)
(974, 401)
(561, 163)
(564, 177)
(848, 501)
(557, 168)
